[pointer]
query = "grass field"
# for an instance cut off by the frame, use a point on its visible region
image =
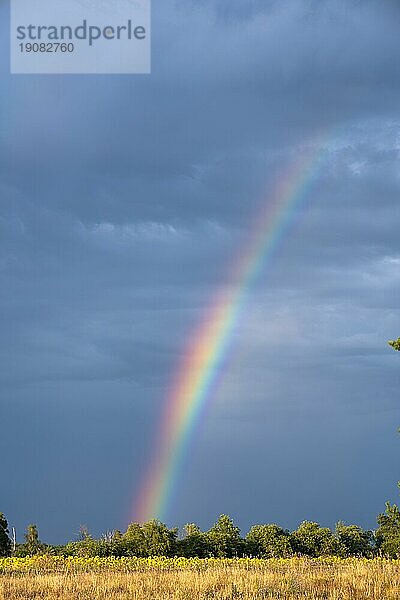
(194, 579)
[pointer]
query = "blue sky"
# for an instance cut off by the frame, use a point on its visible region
(123, 199)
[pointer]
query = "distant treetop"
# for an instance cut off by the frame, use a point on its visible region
(395, 344)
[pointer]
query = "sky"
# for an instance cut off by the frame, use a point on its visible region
(123, 202)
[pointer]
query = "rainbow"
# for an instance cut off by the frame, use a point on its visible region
(201, 363)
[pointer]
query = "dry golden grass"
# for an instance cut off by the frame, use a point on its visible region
(219, 580)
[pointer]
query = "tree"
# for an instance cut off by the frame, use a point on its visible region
(224, 538)
(117, 545)
(312, 540)
(268, 541)
(160, 541)
(134, 540)
(150, 539)
(5, 542)
(32, 541)
(32, 544)
(388, 532)
(395, 344)
(194, 543)
(354, 541)
(89, 547)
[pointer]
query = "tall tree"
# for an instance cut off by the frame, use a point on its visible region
(354, 541)
(194, 543)
(224, 538)
(160, 541)
(312, 540)
(33, 544)
(388, 532)
(5, 542)
(150, 539)
(269, 541)
(134, 540)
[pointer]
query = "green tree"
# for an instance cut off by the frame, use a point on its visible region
(150, 539)
(89, 547)
(110, 544)
(224, 538)
(312, 540)
(268, 541)
(86, 545)
(395, 344)
(32, 541)
(134, 541)
(117, 546)
(5, 542)
(194, 543)
(388, 532)
(32, 544)
(160, 541)
(354, 541)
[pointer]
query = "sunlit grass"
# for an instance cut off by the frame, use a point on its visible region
(56, 578)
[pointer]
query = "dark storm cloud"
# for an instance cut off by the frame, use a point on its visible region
(227, 93)
(124, 202)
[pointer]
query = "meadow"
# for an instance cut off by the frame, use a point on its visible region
(73, 578)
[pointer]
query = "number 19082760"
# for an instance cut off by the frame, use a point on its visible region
(47, 47)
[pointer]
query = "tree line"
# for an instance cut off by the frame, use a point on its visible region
(222, 540)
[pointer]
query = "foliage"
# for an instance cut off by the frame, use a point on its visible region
(32, 541)
(134, 540)
(195, 543)
(160, 541)
(312, 540)
(32, 544)
(388, 532)
(88, 547)
(269, 541)
(150, 539)
(224, 538)
(354, 541)
(395, 344)
(5, 542)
